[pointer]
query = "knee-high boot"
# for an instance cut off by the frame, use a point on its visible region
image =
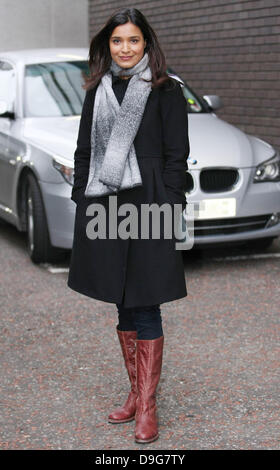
(126, 413)
(148, 369)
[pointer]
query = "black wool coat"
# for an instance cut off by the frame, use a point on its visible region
(135, 272)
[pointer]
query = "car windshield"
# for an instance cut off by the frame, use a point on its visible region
(195, 104)
(55, 89)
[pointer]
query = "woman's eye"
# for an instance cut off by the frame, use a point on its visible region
(133, 40)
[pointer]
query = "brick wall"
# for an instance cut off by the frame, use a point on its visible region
(226, 47)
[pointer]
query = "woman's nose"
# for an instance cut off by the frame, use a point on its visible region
(125, 48)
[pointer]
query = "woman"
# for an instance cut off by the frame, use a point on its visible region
(132, 148)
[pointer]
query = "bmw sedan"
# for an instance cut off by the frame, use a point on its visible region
(233, 177)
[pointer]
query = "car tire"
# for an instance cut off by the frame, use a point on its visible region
(39, 247)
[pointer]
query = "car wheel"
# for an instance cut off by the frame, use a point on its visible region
(39, 247)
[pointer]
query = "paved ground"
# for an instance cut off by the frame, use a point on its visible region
(61, 375)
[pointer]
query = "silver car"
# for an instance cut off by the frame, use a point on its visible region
(234, 178)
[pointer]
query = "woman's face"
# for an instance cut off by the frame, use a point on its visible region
(127, 41)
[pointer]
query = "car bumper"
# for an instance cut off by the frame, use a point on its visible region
(254, 207)
(234, 237)
(255, 204)
(60, 213)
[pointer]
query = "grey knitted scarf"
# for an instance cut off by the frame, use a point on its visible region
(113, 162)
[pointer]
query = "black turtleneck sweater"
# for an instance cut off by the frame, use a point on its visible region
(119, 86)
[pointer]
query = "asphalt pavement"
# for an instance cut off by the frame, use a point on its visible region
(62, 371)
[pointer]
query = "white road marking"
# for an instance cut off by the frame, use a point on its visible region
(53, 269)
(58, 270)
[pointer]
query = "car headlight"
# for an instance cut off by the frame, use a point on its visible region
(62, 165)
(268, 170)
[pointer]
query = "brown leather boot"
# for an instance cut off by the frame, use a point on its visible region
(128, 345)
(148, 369)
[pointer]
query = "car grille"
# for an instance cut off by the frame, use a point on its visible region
(218, 179)
(230, 226)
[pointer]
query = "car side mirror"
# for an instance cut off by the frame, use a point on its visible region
(214, 101)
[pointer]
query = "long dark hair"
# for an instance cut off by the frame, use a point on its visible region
(99, 51)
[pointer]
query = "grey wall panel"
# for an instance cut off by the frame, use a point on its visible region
(27, 24)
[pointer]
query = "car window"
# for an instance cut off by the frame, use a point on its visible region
(54, 89)
(7, 84)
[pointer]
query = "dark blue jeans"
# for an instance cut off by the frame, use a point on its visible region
(145, 320)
